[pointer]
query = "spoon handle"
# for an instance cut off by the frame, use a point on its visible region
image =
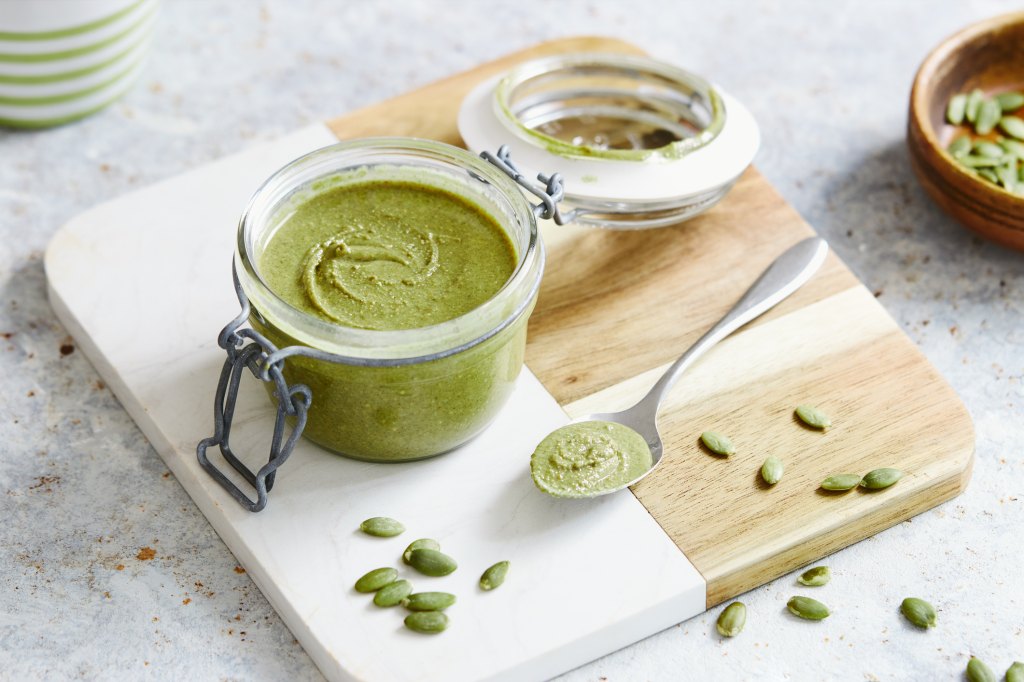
(787, 274)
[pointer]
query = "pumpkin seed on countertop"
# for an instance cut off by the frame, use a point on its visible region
(429, 601)
(989, 114)
(959, 147)
(1015, 673)
(427, 622)
(382, 527)
(807, 608)
(813, 417)
(432, 562)
(732, 619)
(772, 470)
(919, 612)
(841, 482)
(393, 594)
(881, 478)
(1013, 126)
(376, 579)
(815, 577)
(977, 671)
(422, 543)
(956, 108)
(717, 443)
(494, 576)
(1008, 101)
(972, 104)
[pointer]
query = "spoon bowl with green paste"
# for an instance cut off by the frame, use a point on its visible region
(605, 452)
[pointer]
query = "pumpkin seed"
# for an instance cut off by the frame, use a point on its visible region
(989, 175)
(1015, 673)
(961, 146)
(422, 543)
(881, 478)
(771, 470)
(427, 622)
(382, 527)
(1008, 101)
(813, 417)
(919, 612)
(376, 579)
(973, 104)
(841, 482)
(955, 109)
(990, 149)
(429, 601)
(494, 576)
(432, 562)
(1014, 147)
(732, 619)
(393, 594)
(717, 443)
(1012, 126)
(977, 671)
(815, 577)
(1007, 176)
(989, 114)
(807, 608)
(976, 161)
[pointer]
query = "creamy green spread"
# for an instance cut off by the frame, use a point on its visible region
(585, 458)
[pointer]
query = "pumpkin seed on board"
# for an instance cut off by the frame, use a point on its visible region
(1008, 101)
(494, 576)
(956, 109)
(717, 443)
(807, 608)
(961, 146)
(841, 482)
(919, 612)
(989, 114)
(972, 104)
(422, 543)
(432, 562)
(1015, 673)
(813, 417)
(771, 470)
(815, 577)
(376, 579)
(881, 478)
(429, 601)
(427, 622)
(393, 594)
(1012, 126)
(382, 527)
(977, 671)
(732, 619)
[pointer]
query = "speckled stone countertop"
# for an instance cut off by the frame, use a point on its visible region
(107, 569)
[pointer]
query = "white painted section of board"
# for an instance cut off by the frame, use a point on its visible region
(144, 285)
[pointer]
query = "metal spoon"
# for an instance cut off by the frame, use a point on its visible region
(787, 274)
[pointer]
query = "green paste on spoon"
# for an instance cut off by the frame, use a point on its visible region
(579, 460)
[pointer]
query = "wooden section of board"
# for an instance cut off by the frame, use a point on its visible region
(616, 307)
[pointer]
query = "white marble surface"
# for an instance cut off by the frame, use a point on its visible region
(84, 493)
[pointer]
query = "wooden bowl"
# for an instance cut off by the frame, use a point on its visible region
(988, 55)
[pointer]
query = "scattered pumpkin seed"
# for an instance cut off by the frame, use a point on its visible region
(1012, 126)
(432, 562)
(429, 601)
(989, 149)
(422, 543)
(376, 579)
(732, 619)
(973, 104)
(1008, 101)
(959, 147)
(494, 576)
(881, 478)
(841, 482)
(771, 470)
(393, 594)
(427, 622)
(813, 417)
(815, 577)
(807, 608)
(919, 612)
(382, 527)
(955, 109)
(977, 671)
(717, 443)
(1015, 673)
(989, 114)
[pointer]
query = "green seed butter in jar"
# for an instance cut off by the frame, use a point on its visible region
(415, 265)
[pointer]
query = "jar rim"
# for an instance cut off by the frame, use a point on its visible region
(355, 346)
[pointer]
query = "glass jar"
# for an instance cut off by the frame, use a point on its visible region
(411, 393)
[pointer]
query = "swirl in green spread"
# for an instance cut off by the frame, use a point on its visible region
(586, 458)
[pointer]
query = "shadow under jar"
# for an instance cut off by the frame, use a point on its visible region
(393, 393)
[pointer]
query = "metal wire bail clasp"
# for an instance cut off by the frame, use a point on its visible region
(550, 193)
(246, 348)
